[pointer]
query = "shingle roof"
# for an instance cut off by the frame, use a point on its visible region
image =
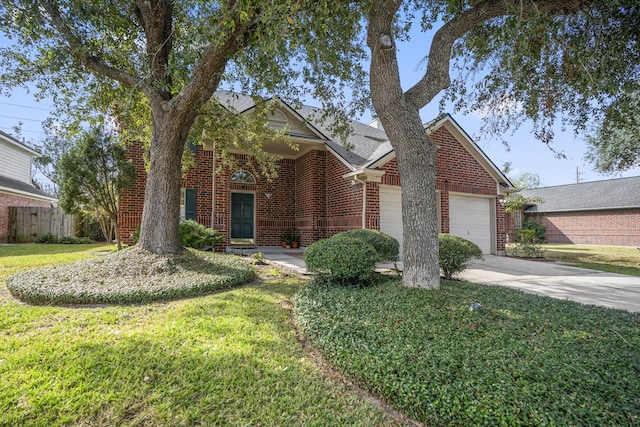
(363, 140)
(16, 185)
(365, 145)
(610, 194)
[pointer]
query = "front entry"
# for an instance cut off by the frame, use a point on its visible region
(242, 217)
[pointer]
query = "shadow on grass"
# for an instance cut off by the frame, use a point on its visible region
(221, 360)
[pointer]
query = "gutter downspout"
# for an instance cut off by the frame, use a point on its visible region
(364, 199)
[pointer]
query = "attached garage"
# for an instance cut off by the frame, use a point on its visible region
(391, 212)
(471, 219)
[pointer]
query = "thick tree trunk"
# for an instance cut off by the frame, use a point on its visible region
(415, 152)
(159, 230)
(416, 157)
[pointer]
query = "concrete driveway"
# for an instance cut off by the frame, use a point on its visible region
(558, 281)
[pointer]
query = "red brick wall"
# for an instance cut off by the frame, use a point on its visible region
(608, 227)
(7, 200)
(309, 193)
(132, 199)
(344, 200)
(274, 215)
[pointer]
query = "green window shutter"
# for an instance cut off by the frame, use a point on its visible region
(193, 147)
(190, 203)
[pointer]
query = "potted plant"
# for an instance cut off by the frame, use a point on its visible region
(295, 239)
(286, 239)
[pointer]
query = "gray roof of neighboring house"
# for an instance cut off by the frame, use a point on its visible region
(597, 195)
(16, 185)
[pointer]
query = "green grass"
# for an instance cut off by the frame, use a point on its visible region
(230, 358)
(32, 255)
(612, 259)
(520, 360)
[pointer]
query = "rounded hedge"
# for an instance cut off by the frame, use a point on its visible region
(385, 245)
(342, 260)
(456, 253)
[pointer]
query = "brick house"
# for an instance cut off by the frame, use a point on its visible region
(16, 187)
(593, 213)
(323, 188)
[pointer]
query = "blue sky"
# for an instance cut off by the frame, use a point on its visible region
(526, 154)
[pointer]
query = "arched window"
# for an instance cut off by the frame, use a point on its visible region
(243, 177)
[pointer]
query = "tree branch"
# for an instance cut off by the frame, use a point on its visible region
(91, 62)
(157, 21)
(437, 76)
(208, 71)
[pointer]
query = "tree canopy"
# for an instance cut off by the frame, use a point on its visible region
(156, 64)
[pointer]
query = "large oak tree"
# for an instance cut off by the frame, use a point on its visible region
(536, 59)
(176, 54)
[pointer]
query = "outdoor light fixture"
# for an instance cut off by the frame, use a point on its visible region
(268, 195)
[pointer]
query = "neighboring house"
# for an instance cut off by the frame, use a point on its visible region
(16, 186)
(323, 189)
(591, 213)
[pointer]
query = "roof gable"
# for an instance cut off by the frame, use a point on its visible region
(385, 152)
(617, 193)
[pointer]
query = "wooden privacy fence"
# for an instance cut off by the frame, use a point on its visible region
(27, 223)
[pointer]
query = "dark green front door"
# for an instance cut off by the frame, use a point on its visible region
(242, 216)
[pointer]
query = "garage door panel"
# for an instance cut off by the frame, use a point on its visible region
(470, 218)
(391, 212)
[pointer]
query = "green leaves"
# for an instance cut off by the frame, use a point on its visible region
(520, 360)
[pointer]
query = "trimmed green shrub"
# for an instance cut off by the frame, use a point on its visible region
(386, 246)
(47, 238)
(67, 240)
(197, 236)
(525, 236)
(342, 260)
(525, 250)
(85, 240)
(456, 253)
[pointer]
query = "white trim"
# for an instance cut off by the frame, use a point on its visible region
(370, 175)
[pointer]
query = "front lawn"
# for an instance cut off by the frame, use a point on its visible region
(613, 259)
(17, 257)
(230, 358)
(521, 359)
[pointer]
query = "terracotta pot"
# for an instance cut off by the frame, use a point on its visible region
(284, 244)
(295, 245)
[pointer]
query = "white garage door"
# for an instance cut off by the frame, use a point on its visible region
(470, 218)
(391, 212)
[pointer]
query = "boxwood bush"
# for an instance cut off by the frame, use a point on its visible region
(197, 236)
(386, 246)
(342, 260)
(456, 253)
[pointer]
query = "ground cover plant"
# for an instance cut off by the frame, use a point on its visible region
(230, 358)
(613, 259)
(130, 276)
(521, 359)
